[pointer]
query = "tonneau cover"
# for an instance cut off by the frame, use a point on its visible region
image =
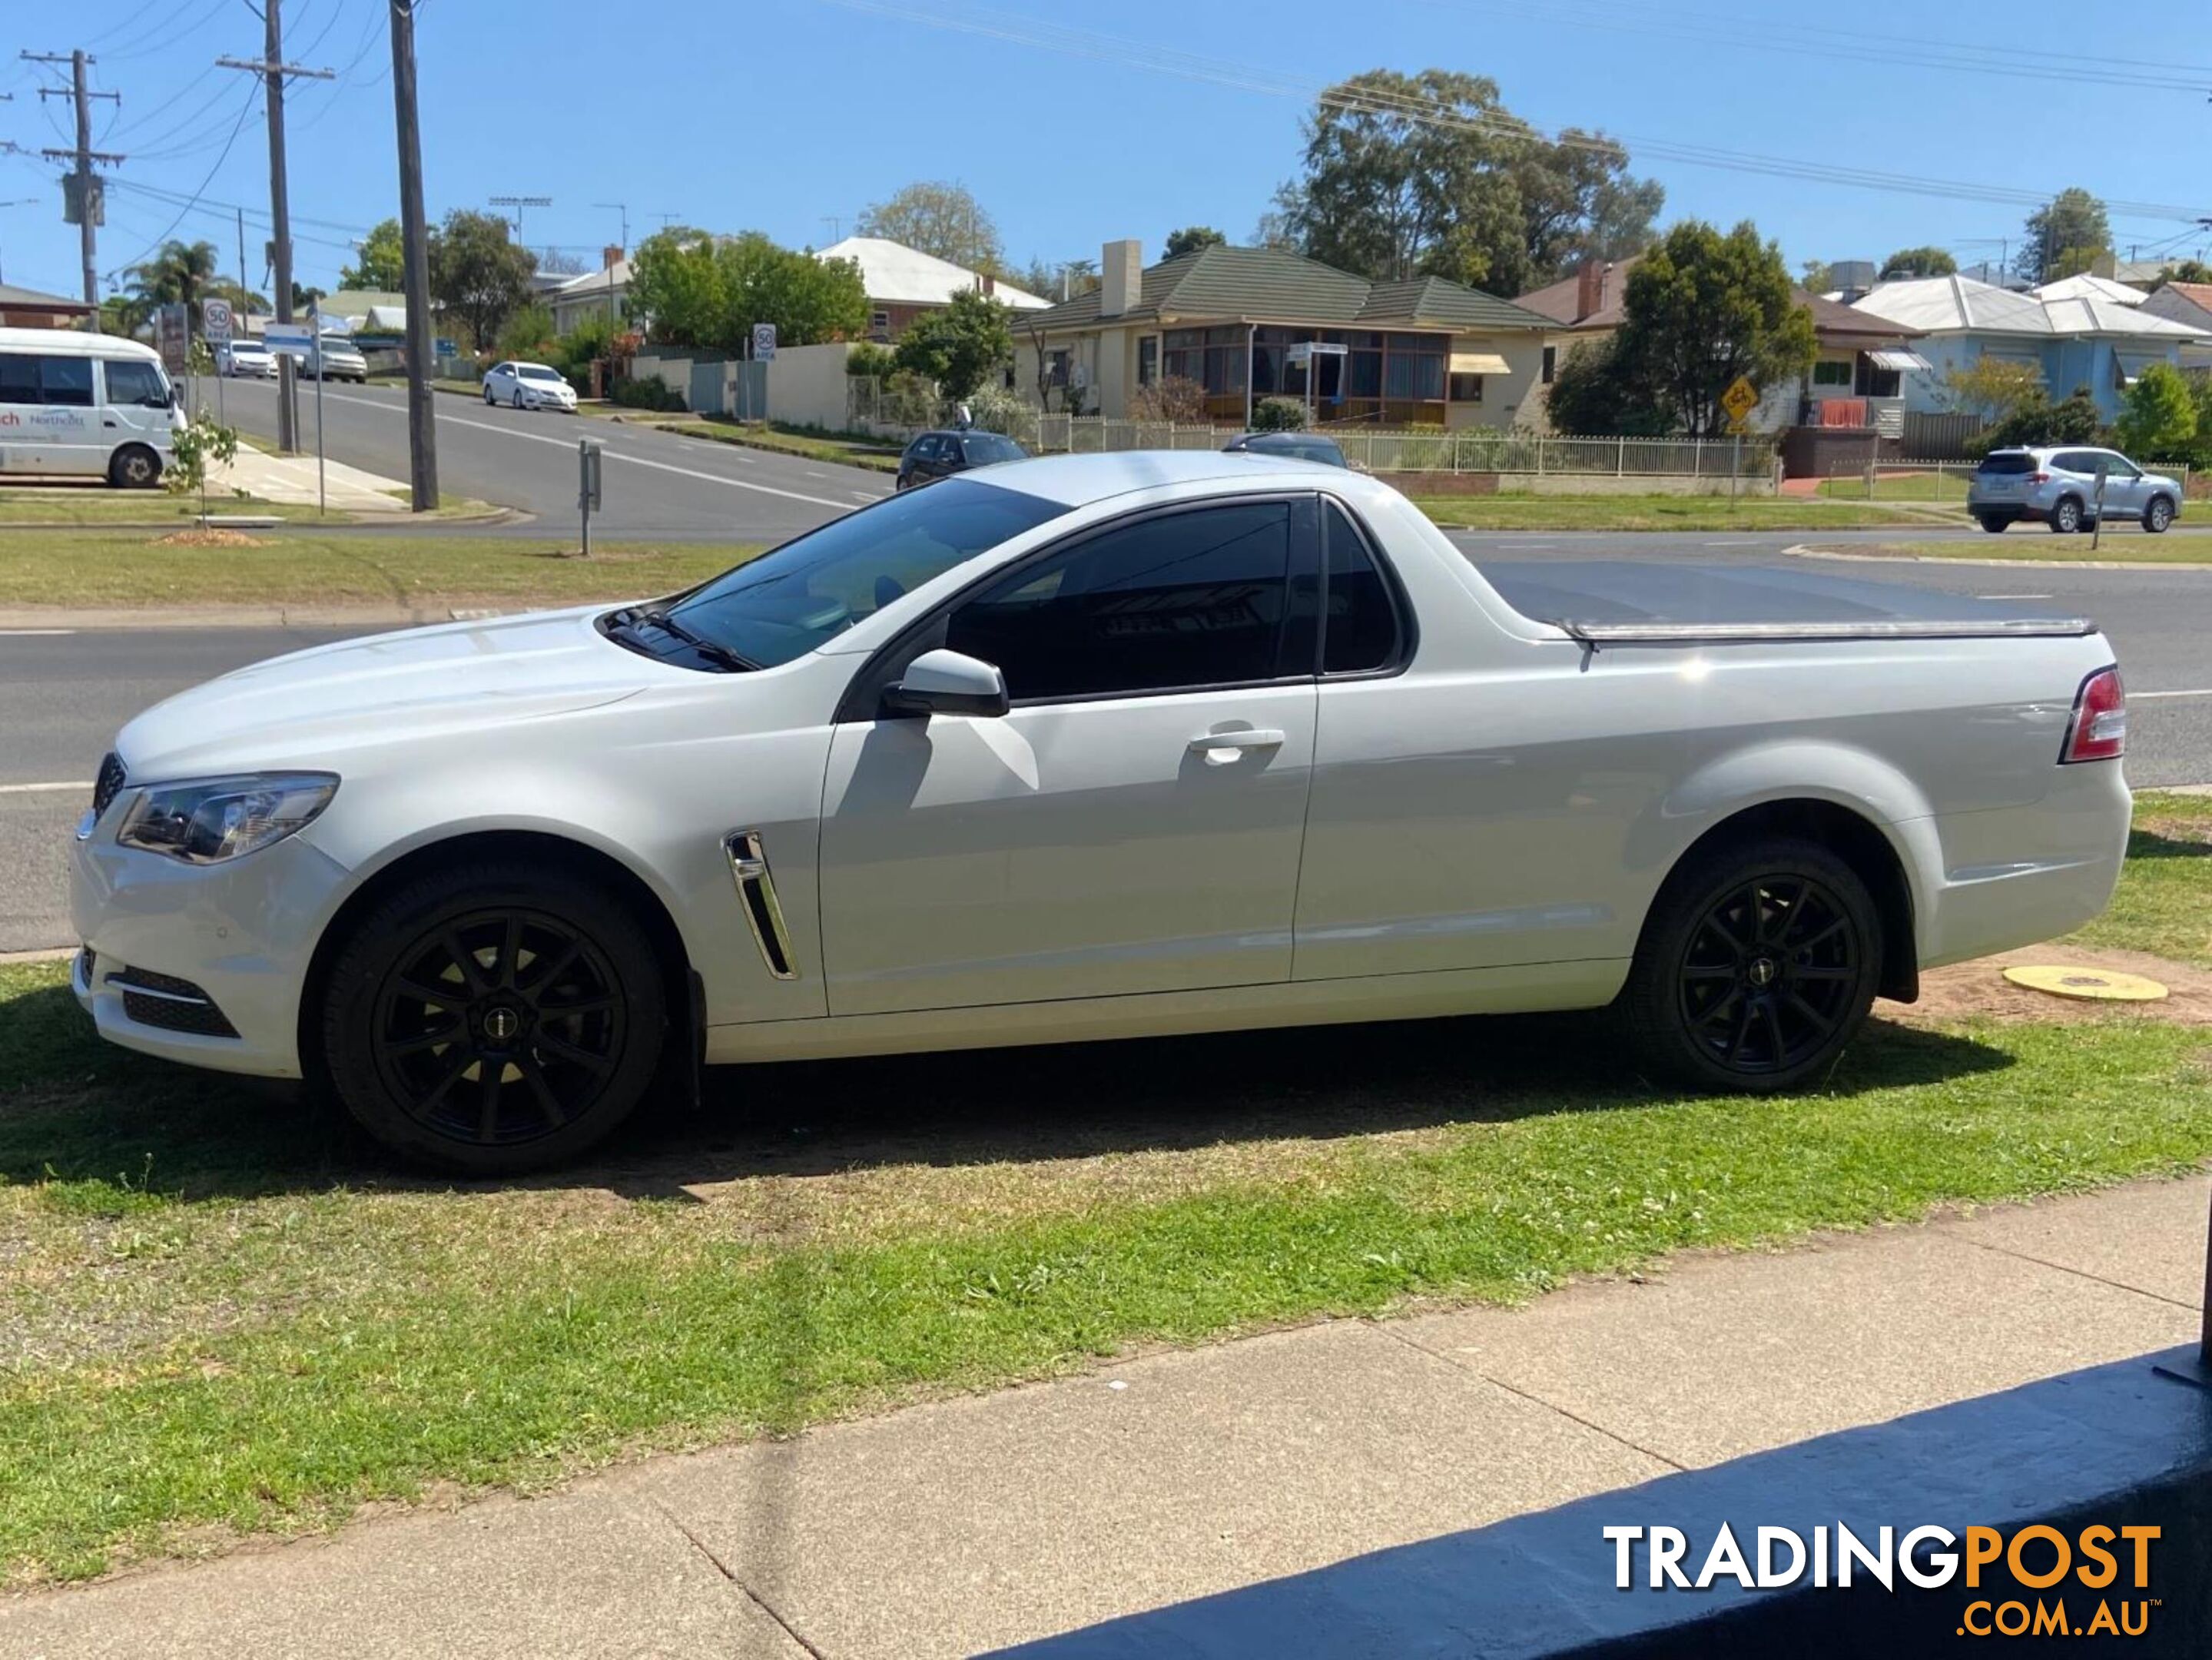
(1636, 602)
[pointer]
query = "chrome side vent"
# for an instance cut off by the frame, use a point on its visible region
(756, 893)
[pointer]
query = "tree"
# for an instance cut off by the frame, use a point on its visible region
(1993, 387)
(2160, 415)
(938, 218)
(1189, 240)
(1171, 397)
(178, 272)
(678, 290)
(961, 346)
(1703, 308)
(1918, 262)
(527, 333)
(1594, 394)
(1817, 276)
(1429, 174)
(2071, 223)
(383, 267)
(2189, 270)
(476, 272)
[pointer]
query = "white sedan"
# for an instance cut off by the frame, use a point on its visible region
(249, 360)
(1092, 746)
(528, 386)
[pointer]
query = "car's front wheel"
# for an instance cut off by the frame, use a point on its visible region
(134, 467)
(493, 1017)
(488, 399)
(2158, 516)
(1757, 965)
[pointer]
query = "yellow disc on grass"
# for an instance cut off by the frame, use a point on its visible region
(2106, 985)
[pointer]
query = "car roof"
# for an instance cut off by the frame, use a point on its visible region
(75, 341)
(1077, 481)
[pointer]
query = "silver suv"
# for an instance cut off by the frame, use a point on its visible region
(2057, 484)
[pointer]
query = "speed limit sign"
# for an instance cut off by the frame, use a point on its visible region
(215, 322)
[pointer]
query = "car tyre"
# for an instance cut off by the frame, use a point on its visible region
(517, 398)
(134, 467)
(1994, 523)
(493, 1017)
(1756, 967)
(2158, 516)
(2066, 517)
(488, 398)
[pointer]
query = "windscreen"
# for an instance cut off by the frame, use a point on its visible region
(795, 598)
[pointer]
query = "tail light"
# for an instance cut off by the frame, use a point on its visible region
(2098, 730)
(2039, 478)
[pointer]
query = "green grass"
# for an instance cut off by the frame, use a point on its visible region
(296, 568)
(223, 1315)
(98, 505)
(851, 451)
(1600, 512)
(2163, 904)
(1948, 488)
(2033, 544)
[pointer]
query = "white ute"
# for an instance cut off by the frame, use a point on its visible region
(1094, 746)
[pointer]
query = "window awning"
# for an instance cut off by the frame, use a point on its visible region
(1898, 358)
(1480, 363)
(2130, 365)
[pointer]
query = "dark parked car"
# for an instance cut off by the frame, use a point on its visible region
(1297, 446)
(940, 455)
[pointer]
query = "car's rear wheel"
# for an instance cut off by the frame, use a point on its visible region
(2066, 517)
(2158, 516)
(1994, 523)
(1757, 965)
(491, 1019)
(134, 467)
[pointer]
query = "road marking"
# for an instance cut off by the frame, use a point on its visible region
(810, 473)
(611, 455)
(42, 789)
(863, 495)
(1736, 542)
(35, 634)
(2201, 692)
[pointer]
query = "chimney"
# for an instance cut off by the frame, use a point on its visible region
(1590, 287)
(611, 256)
(1120, 276)
(990, 284)
(2106, 264)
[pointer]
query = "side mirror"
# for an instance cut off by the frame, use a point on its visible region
(949, 683)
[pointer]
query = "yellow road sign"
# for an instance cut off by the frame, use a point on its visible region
(1740, 399)
(2105, 985)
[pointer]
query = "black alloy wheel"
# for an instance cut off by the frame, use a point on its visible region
(498, 1027)
(1768, 976)
(1757, 965)
(493, 1017)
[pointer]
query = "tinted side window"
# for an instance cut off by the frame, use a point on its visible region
(1184, 600)
(65, 381)
(1360, 628)
(19, 379)
(2074, 461)
(136, 383)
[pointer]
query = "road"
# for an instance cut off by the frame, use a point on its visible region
(62, 696)
(656, 484)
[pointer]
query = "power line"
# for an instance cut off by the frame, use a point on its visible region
(1191, 66)
(237, 127)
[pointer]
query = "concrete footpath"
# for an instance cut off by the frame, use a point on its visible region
(975, 1522)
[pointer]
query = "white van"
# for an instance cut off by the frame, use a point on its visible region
(88, 405)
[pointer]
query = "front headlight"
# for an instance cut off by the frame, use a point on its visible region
(204, 821)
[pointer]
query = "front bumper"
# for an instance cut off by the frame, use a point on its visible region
(242, 932)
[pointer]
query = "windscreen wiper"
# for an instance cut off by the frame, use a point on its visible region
(712, 651)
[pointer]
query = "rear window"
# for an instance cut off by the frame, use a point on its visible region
(2014, 463)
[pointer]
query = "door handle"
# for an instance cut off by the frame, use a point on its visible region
(1220, 748)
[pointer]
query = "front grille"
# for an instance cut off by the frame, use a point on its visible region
(108, 784)
(169, 1004)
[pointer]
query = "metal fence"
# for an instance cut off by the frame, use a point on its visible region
(1476, 450)
(1934, 482)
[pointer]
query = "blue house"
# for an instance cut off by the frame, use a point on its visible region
(2081, 341)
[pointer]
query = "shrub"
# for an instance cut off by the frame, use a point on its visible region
(645, 392)
(2036, 420)
(995, 409)
(1177, 398)
(1279, 414)
(2161, 415)
(866, 357)
(527, 333)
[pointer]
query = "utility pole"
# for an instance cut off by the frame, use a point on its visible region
(82, 195)
(415, 242)
(275, 71)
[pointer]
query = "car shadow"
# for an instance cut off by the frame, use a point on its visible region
(2150, 844)
(107, 1117)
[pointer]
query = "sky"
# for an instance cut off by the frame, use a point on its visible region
(1077, 125)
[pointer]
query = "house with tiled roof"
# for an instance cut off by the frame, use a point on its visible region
(1229, 319)
(2188, 304)
(1858, 363)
